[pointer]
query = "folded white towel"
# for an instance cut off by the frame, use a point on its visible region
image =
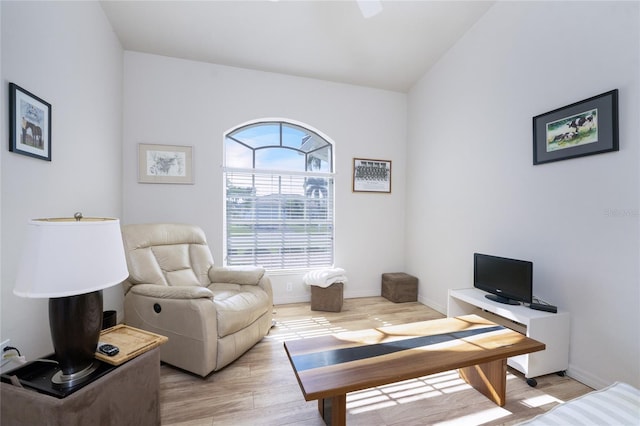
(325, 277)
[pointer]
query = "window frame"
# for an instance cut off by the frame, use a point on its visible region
(313, 219)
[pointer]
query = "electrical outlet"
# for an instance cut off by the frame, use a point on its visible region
(289, 287)
(3, 345)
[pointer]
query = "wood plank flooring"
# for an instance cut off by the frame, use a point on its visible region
(260, 387)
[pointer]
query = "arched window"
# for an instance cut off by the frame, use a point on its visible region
(279, 196)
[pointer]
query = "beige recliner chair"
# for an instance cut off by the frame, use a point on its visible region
(210, 314)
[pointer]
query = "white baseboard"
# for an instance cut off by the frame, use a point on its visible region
(290, 299)
(284, 299)
(433, 304)
(586, 377)
(358, 294)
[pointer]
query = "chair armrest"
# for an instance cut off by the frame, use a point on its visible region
(265, 284)
(165, 292)
(243, 275)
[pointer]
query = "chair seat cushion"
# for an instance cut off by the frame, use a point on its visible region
(238, 306)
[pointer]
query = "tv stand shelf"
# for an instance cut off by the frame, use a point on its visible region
(548, 328)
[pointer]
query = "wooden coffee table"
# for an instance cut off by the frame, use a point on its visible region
(328, 367)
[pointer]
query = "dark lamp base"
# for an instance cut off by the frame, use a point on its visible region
(73, 379)
(75, 323)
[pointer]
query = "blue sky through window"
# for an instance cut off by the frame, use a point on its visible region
(277, 146)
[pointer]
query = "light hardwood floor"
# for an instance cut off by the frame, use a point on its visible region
(260, 387)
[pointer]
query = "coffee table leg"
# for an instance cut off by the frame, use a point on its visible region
(334, 410)
(489, 378)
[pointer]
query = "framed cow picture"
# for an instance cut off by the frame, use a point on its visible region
(583, 128)
(29, 124)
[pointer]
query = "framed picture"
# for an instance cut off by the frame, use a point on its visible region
(165, 164)
(29, 124)
(371, 175)
(584, 128)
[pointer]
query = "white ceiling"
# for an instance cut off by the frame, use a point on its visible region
(329, 40)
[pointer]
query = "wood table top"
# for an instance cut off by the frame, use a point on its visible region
(337, 364)
(130, 340)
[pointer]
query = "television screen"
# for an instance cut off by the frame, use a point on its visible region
(508, 280)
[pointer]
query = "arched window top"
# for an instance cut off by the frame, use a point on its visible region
(278, 145)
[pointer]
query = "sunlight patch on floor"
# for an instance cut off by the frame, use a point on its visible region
(405, 392)
(383, 322)
(539, 401)
(460, 387)
(478, 418)
(446, 383)
(441, 377)
(304, 329)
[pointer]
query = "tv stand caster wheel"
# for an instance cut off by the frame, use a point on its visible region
(562, 373)
(532, 382)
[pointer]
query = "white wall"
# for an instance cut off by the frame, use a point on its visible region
(68, 56)
(179, 102)
(471, 185)
(3, 123)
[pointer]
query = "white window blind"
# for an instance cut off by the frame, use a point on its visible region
(279, 221)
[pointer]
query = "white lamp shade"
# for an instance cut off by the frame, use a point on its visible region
(66, 257)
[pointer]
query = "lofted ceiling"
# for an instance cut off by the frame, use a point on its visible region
(328, 40)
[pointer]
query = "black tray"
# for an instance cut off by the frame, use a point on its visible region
(37, 375)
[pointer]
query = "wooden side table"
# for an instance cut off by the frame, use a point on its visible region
(130, 340)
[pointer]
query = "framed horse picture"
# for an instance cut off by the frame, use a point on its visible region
(29, 124)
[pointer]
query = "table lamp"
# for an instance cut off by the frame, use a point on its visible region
(70, 261)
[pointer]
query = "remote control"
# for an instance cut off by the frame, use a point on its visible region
(543, 307)
(108, 350)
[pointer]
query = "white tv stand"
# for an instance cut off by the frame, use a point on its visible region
(548, 328)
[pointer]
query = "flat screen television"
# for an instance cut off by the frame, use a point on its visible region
(507, 280)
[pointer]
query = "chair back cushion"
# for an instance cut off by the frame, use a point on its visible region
(167, 254)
